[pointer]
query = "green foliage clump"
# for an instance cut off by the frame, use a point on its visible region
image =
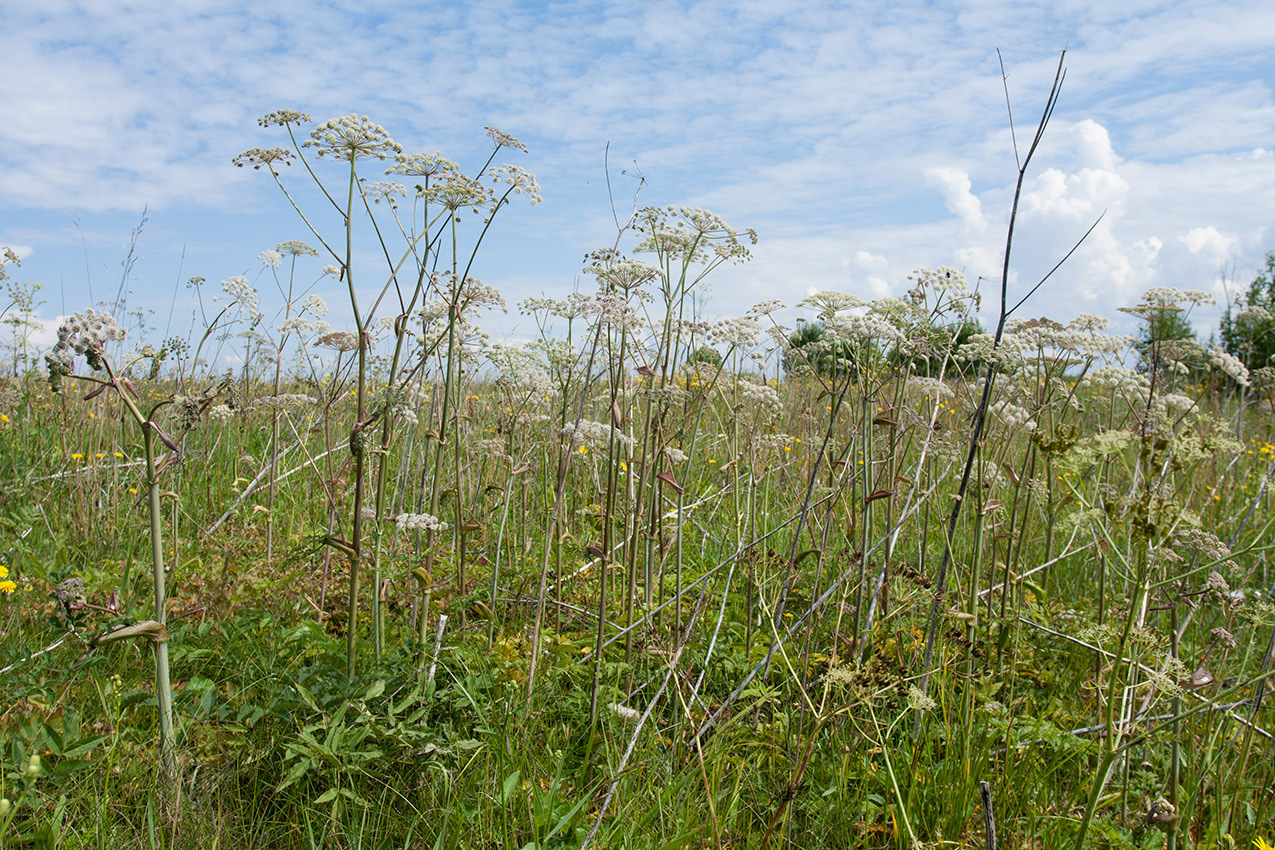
(1248, 325)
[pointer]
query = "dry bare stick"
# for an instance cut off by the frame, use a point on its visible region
(1127, 720)
(559, 499)
(885, 562)
(1102, 727)
(68, 473)
(989, 379)
(438, 645)
(676, 597)
(252, 486)
(814, 606)
(1252, 505)
(38, 653)
(1067, 554)
(672, 669)
(989, 820)
(806, 506)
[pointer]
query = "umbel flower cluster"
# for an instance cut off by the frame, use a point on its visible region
(352, 137)
(83, 333)
(420, 522)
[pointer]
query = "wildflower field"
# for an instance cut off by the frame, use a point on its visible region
(881, 578)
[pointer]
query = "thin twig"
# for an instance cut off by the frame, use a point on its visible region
(48, 648)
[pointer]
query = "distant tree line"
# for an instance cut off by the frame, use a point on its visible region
(1248, 325)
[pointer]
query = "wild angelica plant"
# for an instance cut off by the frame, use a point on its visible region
(87, 334)
(430, 237)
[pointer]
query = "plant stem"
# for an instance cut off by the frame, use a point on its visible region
(163, 689)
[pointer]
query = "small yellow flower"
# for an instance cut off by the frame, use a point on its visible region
(1262, 844)
(77, 456)
(3, 418)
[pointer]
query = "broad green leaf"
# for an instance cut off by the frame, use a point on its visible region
(84, 745)
(508, 786)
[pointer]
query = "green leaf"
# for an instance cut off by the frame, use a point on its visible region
(307, 697)
(300, 769)
(377, 688)
(54, 739)
(408, 700)
(508, 786)
(66, 767)
(84, 745)
(681, 840)
(567, 818)
(327, 796)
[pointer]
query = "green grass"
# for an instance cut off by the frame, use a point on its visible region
(277, 747)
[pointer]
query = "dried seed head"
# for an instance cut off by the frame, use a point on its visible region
(1223, 637)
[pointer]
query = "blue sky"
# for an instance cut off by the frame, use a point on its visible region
(861, 140)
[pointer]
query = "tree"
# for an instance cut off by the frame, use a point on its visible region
(810, 349)
(1248, 325)
(932, 350)
(705, 354)
(1164, 326)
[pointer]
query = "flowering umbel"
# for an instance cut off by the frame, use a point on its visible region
(351, 137)
(83, 333)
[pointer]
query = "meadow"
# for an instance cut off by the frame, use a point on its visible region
(879, 579)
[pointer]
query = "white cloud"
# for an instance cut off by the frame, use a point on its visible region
(954, 185)
(871, 262)
(834, 129)
(1093, 145)
(1208, 241)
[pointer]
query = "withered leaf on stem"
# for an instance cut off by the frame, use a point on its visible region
(671, 481)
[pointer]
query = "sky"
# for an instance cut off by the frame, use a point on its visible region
(862, 140)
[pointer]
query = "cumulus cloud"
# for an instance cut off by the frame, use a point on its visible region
(1207, 241)
(954, 185)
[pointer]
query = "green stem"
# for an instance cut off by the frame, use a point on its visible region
(163, 689)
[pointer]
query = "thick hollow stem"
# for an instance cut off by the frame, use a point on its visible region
(163, 689)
